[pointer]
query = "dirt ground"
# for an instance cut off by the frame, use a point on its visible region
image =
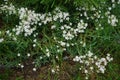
(66, 71)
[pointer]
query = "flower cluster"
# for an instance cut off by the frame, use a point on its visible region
(10, 9)
(59, 15)
(112, 20)
(47, 53)
(69, 32)
(28, 18)
(55, 69)
(92, 64)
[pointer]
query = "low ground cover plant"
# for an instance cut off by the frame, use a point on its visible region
(88, 35)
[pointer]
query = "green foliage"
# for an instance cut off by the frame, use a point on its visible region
(48, 5)
(6, 74)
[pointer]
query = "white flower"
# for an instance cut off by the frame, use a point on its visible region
(19, 64)
(28, 54)
(112, 20)
(86, 71)
(84, 44)
(102, 69)
(40, 24)
(118, 1)
(41, 57)
(53, 71)
(87, 63)
(53, 27)
(86, 77)
(90, 54)
(109, 58)
(103, 61)
(64, 32)
(22, 66)
(76, 59)
(34, 69)
(64, 49)
(48, 54)
(91, 68)
(18, 54)
(62, 43)
(1, 40)
(97, 64)
(35, 40)
(47, 50)
(62, 27)
(95, 57)
(113, 1)
(7, 32)
(80, 69)
(67, 44)
(34, 45)
(85, 14)
(58, 50)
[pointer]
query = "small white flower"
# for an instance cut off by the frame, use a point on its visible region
(35, 40)
(80, 69)
(90, 54)
(34, 45)
(86, 77)
(19, 64)
(22, 66)
(57, 57)
(113, 1)
(47, 50)
(86, 71)
(18, 54)
(87, 63)
(53, 27)
(39, 24)
(118, 1)
(97, 64)
(28, 54)
(108, 55)
(7, 32)
(58, 50)
(1, 40)
(53, 71)
(48, 54)
(34, 69)
(62, 27)
(102, 70)
(67, 44)
(91, 68)
(84, 44)
(112, 20)
(76, 59)
(95, 57)
(62, 43)
(41, 57)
